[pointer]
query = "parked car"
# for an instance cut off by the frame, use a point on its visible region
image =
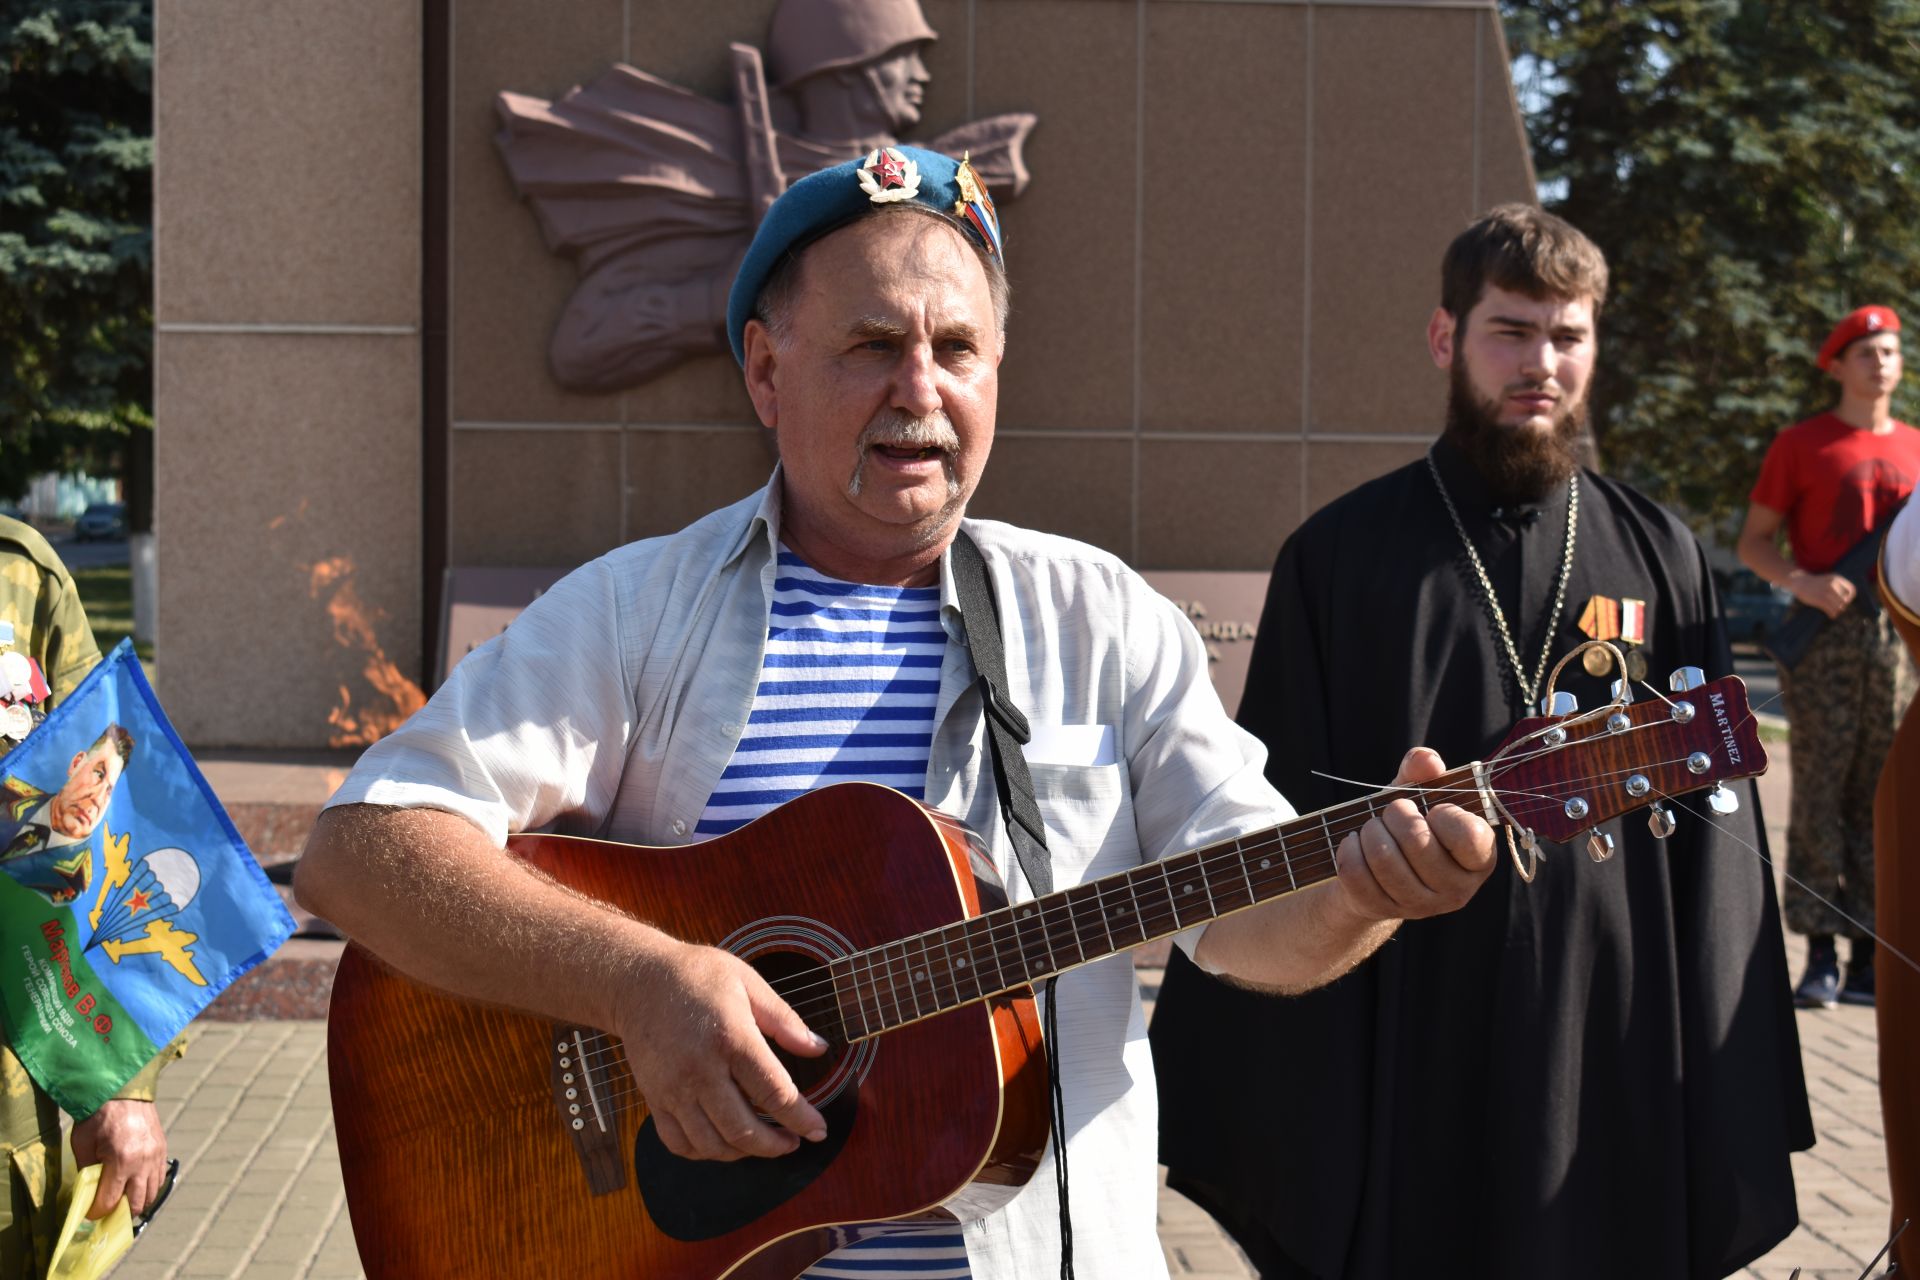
(101, 520)
(1751, 605)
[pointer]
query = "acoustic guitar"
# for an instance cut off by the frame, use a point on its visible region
(477, 1140)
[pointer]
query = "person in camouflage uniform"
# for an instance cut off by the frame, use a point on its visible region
(37, 596)
(1826, 484)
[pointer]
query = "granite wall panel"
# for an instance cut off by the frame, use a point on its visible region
(675, 477)
(1078, 488)
(1333, 467)
(1207, 504)
(265, 212)
(1071, 249)
(1393, 120)
(1506, 165)
(1224, 205)
(507, 288)
(547, 497)
(288, 532)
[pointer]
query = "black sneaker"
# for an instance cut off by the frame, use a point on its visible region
(1859, 988)
(1820, 985)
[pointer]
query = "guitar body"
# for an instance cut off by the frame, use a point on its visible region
(461, 1156)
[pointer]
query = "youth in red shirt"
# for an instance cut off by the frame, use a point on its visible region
(1828, 482)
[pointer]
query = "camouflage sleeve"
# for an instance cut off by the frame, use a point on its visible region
(63, 638)
(146, 1080)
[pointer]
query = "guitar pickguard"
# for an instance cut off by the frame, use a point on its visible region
(701, 1199)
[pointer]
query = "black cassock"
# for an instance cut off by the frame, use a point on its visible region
(1595, 1075)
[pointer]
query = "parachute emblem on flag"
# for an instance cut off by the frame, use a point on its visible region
(133, 914)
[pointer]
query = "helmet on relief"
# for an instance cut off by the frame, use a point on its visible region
(807, 37)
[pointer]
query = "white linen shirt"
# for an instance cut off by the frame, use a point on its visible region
(612, 704)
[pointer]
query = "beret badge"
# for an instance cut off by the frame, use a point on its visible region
(975, 206)
(888, 176)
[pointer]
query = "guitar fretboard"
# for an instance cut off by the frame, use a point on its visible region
(897, 983)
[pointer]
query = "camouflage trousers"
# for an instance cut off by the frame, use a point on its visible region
(30, 1160)
(1843, 703)
(30, 1145)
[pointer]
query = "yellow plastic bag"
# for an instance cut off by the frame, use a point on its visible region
(87, 1250)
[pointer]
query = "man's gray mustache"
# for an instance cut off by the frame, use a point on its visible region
(901, 431)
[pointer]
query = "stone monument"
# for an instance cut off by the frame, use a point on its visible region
(654, 191)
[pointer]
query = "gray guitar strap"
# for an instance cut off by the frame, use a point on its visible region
(1007, 732)
(1007, 729)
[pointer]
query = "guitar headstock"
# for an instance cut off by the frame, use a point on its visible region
(1562, 775)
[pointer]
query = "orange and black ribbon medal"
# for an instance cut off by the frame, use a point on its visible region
(1623, 620)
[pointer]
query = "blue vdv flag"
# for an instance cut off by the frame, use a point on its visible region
(127, 899)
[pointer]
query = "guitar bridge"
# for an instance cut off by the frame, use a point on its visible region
(585, 1070)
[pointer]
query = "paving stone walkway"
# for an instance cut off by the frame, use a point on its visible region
(248, 1113)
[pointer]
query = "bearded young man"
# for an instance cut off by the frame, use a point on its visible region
(1614, 1049)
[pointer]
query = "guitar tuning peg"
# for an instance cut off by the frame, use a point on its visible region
(1599, 846)
(1722, 801)
(1685, 678)
(1661, 822)
(1559, 703)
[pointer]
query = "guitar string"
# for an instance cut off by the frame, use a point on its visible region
(605, 1046)
(1309, 854)
(1754, 849)
(1302, 845)
(899, 964)
(885, 975)
(1312, 859)
(602, 1048)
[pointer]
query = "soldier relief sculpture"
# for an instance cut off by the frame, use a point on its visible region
(655, 191)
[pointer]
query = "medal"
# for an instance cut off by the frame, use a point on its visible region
(16, 721)
(889, 175)
(975, 206)
(1633, 621)
(1636, 664)
(1600, 620)
(16, 676)
(1623, 620)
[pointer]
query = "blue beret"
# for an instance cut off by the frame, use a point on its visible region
(825, 201)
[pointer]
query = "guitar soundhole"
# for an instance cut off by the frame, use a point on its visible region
(806, 985)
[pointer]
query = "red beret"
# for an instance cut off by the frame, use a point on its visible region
(1859, 324)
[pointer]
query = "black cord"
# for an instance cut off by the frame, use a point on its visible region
(1059, 1127)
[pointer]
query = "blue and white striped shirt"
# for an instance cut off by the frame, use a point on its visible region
(847, 692)
(613, 704)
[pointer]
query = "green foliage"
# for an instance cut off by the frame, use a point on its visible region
(76, 240)
(1752, 172)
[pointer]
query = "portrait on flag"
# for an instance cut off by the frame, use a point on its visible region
(128, 900)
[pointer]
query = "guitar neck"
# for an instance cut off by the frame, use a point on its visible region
(901, 982)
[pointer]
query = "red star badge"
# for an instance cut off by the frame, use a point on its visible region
(890, 171)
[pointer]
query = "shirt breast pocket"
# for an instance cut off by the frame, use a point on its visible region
(1086, 808)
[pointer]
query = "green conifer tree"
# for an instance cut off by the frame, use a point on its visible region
(76, 160)
(1752, 172)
